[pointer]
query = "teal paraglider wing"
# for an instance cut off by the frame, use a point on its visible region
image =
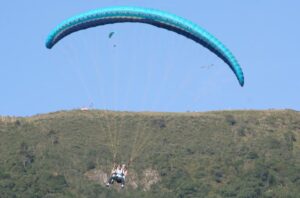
(157, 18)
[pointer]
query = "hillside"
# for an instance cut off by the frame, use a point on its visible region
(243, 154)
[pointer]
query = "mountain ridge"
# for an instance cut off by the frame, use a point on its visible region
(237, 153)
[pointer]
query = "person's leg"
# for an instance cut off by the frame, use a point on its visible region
(111, 180)
(122, 182)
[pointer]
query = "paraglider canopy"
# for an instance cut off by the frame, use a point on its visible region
(111, 34)
(157, 18)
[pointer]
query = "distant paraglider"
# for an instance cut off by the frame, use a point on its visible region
(207, 66)
(157, 18)
(111, 34)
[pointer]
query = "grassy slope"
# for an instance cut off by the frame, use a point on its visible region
(213, 154)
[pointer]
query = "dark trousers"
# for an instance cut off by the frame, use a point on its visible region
(117, 179)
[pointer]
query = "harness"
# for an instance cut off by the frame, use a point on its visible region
(120, 173)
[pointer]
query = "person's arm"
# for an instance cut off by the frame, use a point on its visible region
(125, 172)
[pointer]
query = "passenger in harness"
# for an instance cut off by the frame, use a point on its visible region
(118, 174)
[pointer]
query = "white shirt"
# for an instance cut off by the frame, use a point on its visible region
(119, 172)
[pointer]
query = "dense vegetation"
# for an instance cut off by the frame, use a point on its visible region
(243, 154)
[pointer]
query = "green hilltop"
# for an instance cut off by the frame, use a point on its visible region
(244, 154)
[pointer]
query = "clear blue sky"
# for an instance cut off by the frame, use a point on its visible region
(150, 69)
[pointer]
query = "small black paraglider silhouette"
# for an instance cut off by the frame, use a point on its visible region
(111, 34)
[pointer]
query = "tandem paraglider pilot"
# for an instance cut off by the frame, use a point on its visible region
(118, 174)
